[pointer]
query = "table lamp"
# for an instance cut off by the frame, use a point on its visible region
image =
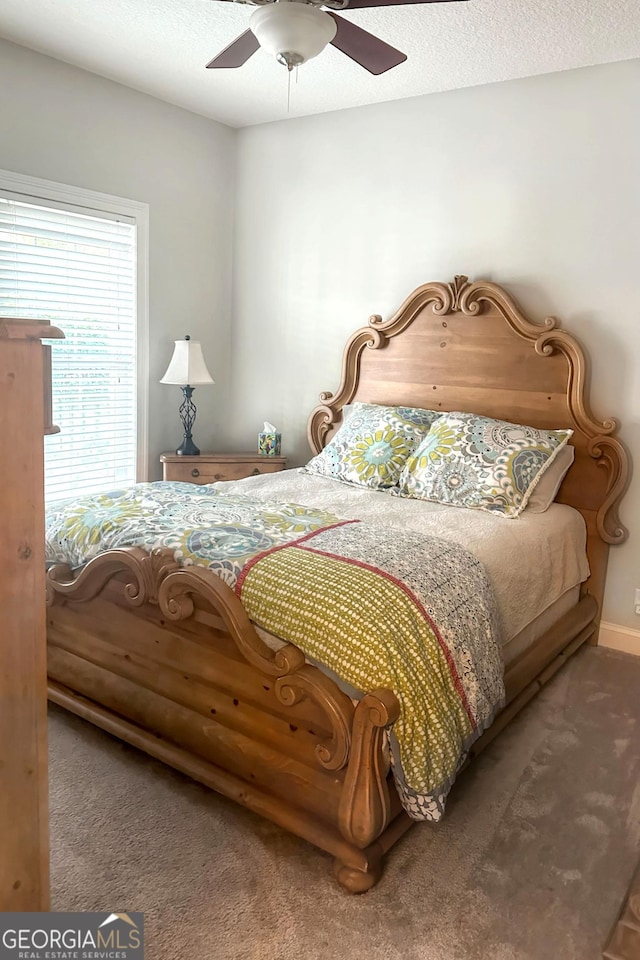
(187, 369)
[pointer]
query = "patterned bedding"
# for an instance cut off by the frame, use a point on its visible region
(413, 613)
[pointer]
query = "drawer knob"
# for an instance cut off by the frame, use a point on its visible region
(255, 471)
(217, 476)
(195, 472)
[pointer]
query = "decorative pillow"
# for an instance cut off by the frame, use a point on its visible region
(373, 444)
(412, 418)
(546, 489)
(471, 461)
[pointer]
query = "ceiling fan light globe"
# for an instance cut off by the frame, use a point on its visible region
(292, 29)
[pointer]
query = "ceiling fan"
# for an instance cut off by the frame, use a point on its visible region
(294, 31)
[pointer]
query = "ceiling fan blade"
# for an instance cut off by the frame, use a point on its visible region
(358, 4)
(370, 52)
(237, 53)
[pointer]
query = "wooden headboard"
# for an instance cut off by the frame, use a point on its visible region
(468, 346)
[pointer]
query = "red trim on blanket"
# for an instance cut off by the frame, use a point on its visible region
(281, 546)
(411, 595)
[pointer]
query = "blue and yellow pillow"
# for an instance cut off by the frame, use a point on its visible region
(471, 461)
(373, 444)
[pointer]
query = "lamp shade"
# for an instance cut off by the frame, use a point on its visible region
(187, 366)
(292, 28)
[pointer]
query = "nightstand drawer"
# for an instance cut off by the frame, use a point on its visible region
(208, 472)
(208, 468)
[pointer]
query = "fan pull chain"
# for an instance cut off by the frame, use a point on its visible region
(290, 63)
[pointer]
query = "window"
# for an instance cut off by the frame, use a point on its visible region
(77, 268)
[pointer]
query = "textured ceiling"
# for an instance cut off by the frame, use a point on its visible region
(161, 47)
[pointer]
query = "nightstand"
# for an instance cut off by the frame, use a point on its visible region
(209, 467)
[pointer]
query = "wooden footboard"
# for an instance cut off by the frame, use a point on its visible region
(165, 658)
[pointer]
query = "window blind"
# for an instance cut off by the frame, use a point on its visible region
(78, 270)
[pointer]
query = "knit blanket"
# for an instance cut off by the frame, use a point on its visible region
(372, 607)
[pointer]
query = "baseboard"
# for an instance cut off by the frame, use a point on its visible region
(619, 638)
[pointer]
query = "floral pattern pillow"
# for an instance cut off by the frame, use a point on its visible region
(373, 444)
(471, 461)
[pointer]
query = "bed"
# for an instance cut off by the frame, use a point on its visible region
(165, 656)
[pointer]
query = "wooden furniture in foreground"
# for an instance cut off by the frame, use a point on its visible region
(166, 658)
(209, 467)
(24, 836)
(624, 942)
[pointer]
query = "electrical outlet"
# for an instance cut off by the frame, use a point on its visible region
(637, 603)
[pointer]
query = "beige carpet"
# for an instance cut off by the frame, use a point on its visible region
(531, 862)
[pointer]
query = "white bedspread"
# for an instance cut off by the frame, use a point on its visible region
(531, 561)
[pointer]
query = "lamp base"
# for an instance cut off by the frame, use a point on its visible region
(188, 415)
(188, 448)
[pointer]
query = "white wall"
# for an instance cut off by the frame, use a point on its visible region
(64, 124)
(532, 183)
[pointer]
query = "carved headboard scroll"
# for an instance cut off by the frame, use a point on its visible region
(469, 346)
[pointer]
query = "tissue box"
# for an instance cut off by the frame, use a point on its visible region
(269, 444)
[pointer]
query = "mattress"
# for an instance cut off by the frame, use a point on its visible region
(533, 562)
